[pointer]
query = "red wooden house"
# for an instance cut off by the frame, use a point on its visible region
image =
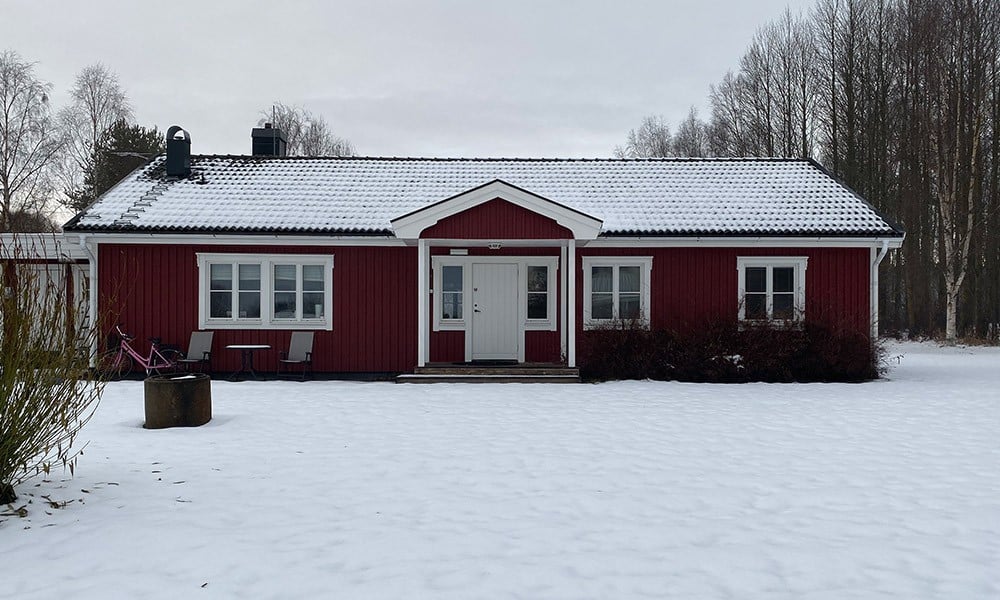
(398, 262)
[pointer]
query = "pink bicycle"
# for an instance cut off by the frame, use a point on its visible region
(121, 361)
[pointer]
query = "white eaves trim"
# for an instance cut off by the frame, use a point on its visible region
(410, 226)
(742, 242)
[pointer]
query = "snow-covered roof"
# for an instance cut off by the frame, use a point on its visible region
(359, 196)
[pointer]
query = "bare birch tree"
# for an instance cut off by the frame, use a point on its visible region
(97, 102)
(307, 133)
(651, 139)
(29, 140)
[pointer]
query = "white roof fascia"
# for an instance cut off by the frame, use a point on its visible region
(41, 246)
(410, 226)
(743, 241)
(269, 239)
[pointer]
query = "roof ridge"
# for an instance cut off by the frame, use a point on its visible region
(507, 158)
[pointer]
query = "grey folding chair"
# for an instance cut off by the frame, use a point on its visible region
(199, 351)
(299, 353)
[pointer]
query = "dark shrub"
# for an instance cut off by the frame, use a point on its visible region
(726, 351)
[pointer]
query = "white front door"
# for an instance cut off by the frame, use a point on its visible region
(494, 312)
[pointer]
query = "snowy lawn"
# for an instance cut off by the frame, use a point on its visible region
(621, 490)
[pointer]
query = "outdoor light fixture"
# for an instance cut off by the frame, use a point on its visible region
(495, 246)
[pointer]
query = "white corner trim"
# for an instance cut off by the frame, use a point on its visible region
(411, 225)
(266, 321)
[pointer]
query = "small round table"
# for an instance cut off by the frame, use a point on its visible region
(246, 358)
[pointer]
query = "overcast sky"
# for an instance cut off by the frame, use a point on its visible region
(443, 78)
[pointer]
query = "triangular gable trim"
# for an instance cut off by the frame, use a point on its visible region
(410, 225)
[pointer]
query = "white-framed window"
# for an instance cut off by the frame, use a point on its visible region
(772, 288)
(537, 281)
(616, 288)
(452, 305)
(272, 291)
(536, 294)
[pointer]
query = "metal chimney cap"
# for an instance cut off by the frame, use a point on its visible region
(172, 133)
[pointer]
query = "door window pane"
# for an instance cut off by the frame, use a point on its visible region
(451, 305)
(451, 278)
(538, 305)
(538, 279)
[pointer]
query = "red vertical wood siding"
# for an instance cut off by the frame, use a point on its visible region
(496, 220)
(153, 291)
(691, 286)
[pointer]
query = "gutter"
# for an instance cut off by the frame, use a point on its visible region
(879, 256)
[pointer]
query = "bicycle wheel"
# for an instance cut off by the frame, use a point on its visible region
(114, 365)
(165, 361)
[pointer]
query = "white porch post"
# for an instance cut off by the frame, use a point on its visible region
(563, 275)
(421, 302)
(571, 304)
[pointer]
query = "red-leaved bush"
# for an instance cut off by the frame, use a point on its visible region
(726, 351)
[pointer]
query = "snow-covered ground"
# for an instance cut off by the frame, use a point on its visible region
(620, 490)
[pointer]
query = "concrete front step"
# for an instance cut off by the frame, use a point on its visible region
(519, 370)
(485, 378)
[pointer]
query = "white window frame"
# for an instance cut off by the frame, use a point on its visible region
(522, 262)
(645, 264)
(440, 323)
(799, 263)
(266, 262)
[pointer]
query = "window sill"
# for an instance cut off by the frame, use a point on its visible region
(540, 325)
(450, 325)
(779, 324)
(592, 324)
(260, 325)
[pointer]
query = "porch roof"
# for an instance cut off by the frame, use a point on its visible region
(361, 196)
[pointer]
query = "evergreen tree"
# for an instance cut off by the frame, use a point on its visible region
(123, 147)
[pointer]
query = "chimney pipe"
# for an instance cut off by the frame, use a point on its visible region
(178, 152)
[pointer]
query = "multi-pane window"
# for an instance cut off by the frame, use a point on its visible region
(234, 285)
(451, 292)
(538, 292)
(268, 291)
(616, 289)
(771, 288)
(299, 291)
